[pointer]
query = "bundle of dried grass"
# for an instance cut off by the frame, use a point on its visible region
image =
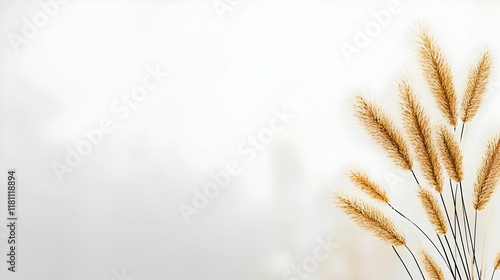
(488, 174)
(433, 211)
(418, 129)
(433, 270)
(438, 74)
(430, 152)
(476, 86)
(371, 218)
(383, 131)
(450, 153)
(362, 181)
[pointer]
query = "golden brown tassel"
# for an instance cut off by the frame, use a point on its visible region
(418, 129)
(362, 181)
(383, 131)
(476, 86)
(438, 74)
(488, 174)
(450, 153)
(371, 218)
(433, 211)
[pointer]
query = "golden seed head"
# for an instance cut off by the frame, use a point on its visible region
(450, 153)
(370, 218)
(362, 181)
(438, 74)
(488, 174)
(433, 211)
(477, 82)
(419, 131)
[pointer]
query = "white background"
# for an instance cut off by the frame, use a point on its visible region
(117, 212)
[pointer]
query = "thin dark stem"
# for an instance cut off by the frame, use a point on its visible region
(465, 211)
(474, 245)
(454, 196)
(493, 274)
(402, 262)
(466, 270)
(462, 132)
(465, 230)
(449, 263)
(461, 237)
(416, 180)
(453, 233)
(423, 232)
(415, 261)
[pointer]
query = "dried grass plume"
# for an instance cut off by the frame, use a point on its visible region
(476, 86)
(438, 74)
(418, 129)
(450, 153)
(362, 181)
(433, 211)
(434, 272)
(370, 218)
(488, 175)
(383, 131)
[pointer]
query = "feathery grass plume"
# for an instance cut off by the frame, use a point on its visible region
(434, 272)
(418, 129)
(383, 131)
(433, 211)
(438, 74)
(370, 218)
(450, 153)
(362, 181)
(476, 86)
(488, 174)
(497, 262)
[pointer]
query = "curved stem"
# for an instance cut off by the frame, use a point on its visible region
(467, 226)
(454, 234)
(449, 263)
(466, 218)
(466, 270)
(415, 177)
(423, 232)
(474, 246)
(462, 132)
(415, 261)
(395, 251)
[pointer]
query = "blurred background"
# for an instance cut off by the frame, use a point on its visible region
(204, 139)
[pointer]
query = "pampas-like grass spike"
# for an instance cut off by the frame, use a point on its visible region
(488, 174)
(497, 262)
(362, 181)
(371, 218)
(418, 129)
(438, 74)
(430, 265)
(476, 86)
(450, 153)
(433, 211)
(383, 131)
